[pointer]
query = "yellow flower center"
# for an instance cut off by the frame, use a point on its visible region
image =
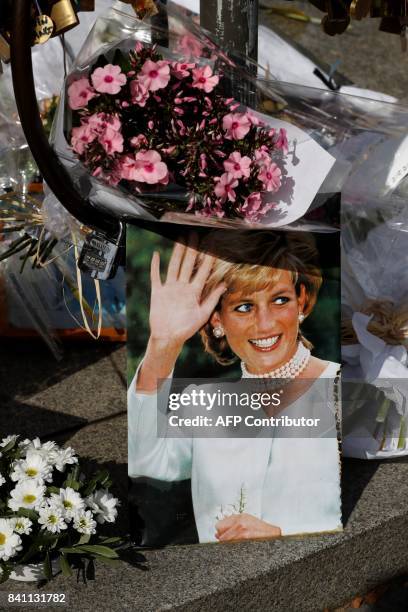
(31, 472)
(29, 499)
(52, 519)
(67, 504)
(2, 538)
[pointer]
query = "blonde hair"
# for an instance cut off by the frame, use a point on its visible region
(250, 261)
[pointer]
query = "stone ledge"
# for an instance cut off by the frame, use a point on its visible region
(305, 574)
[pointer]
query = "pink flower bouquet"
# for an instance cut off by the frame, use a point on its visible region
(161, 124)
(151, 125)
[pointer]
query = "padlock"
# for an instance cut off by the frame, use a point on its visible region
(101, 254)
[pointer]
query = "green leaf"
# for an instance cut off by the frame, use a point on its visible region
(47, 567)
(5, 572)
(91, 549)
(110, 540)
(90, 570)
(71, 550)
(65, 566)
(98, 549)
(84, 539)
(51, 490)
(46, 539)
(31, 514)
(11, 444)
(108, 561)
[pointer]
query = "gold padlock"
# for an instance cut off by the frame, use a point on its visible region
(63, 16)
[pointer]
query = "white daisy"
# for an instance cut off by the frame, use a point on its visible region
(63, 457)
(103, 505)
(69, 501)
(84, 523)
(46, 450)
(10, 542)
(21, 525)
(8, 439)
(33, 467)
(2, 480)
(51, 519)
(26, 494)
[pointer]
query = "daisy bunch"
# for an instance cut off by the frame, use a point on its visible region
(49, 509)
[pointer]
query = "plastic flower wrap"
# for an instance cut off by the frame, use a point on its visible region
(50, 512)
(39, 289)
(146, 122)
(164, 125)
(375, 330)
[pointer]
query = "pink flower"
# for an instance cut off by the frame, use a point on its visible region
(155, 75)
(236, 125)
(108, 79)
(238, 166)
(138, 141)
(211, 209)
(127, 167)
(182, 70)
(190, 46)
(80, 137)
(79, 93)
(139, 93)
(270, 175)
(150, 168)
(253, 208)
(112, 141)
(203, 78)
(224, 188)
(254, 119)
(100, 121)
(282, 140)
(262, 157)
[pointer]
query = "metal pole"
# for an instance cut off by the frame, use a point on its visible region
(234, 23)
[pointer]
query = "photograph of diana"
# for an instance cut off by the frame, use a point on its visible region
(243, 304)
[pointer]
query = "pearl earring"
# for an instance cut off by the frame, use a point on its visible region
(301, 317)
(218, 331)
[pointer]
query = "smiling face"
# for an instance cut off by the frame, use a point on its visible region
(261, 327)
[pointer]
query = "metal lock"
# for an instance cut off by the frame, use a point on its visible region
(101, 254)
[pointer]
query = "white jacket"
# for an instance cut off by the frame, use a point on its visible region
(292, 483)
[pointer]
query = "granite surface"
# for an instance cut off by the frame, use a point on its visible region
(34, 387)
(313, 572)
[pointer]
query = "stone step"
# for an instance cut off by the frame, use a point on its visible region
(302, 574)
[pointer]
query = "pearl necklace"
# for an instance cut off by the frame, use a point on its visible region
(291, 369)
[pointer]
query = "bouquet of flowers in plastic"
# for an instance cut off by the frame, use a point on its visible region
(50, 514)
(375, 331)
(163, 124)
(143, 121)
